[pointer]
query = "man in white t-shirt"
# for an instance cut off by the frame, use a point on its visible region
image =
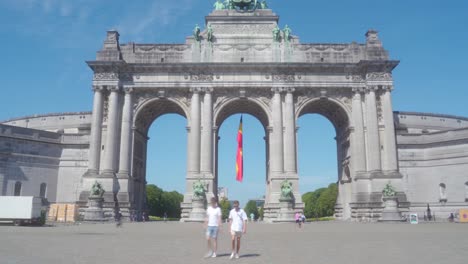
(212, 225)
(238, 220)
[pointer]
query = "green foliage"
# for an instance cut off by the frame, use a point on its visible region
(160, 201)
(260, 213)
(225, 206)
(251, 207)
(321, 202)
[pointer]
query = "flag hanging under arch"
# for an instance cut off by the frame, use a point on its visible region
(239, 157)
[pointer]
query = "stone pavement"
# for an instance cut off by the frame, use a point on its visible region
(158, 242)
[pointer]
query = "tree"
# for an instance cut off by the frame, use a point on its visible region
(251, 207)
(225, 206)
(321, 202)
(327, 200)
(154, 199)
(160, 202)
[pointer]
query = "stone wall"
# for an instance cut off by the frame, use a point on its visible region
(33, 156)
(433, 159)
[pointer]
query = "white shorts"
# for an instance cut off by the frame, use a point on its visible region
(236, 233)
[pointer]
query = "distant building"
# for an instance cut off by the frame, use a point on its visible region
(223, 193)
(259, 201)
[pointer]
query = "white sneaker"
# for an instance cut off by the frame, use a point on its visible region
(237, 256)
(232, 255)
(214, 255)
(209, 254)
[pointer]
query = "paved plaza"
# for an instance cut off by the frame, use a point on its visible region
(158, 242)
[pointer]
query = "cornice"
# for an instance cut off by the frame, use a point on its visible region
(361, 67)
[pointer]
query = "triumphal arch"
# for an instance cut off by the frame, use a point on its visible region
(242, 61)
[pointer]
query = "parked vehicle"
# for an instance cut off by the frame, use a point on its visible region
(21, 210)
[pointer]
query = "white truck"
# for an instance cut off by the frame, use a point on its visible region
(21, 209)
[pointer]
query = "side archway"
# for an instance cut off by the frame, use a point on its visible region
(145, 114)
(340, 117)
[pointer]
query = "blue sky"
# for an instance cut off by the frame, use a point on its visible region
(45, 44)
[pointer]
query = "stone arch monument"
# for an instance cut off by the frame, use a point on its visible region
(244, 67)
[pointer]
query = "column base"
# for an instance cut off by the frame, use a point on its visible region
(123, 175)
(91, 174)
(107, 174)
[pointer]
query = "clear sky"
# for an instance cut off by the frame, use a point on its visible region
(45, 44)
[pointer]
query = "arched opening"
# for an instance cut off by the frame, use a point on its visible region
(255, 150)
(442, 192)
(43, 190)
(159, 158)
(17, 189)
(323, 157)
(317, 166)
(466, 191)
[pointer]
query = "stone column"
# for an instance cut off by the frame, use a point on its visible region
(358, 142)
(2, 181)
(96, 132)
(108, 167)
(193, 159)
(276, 140)
(373, 141)
(207, 134)
(126, 135)
(390, 163)
(289, 133)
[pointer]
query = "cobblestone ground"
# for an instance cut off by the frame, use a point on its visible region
(157, 242)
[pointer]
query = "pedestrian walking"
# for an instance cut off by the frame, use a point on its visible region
(212, 225)
(297, 217)
(238, 220)
(118, 219)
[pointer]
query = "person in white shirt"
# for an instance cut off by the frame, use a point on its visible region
(212, 225)
(238, 220)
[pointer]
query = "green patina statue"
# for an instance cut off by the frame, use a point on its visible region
(263, 5)
(286, 190)
(389, 190)
(245, 5)
(276, 34)
(287, 33)
(97, 190)
(199, 189)
(209, 33)
(218, 5)
(196, 33)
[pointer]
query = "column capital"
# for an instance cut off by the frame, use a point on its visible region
(113, 88)
(206, 89)
(358, 90)
(129, 90)
(98, 88)
(196, 90)
(289, 90)
(277, 90)
(371, 88)
(387, 88)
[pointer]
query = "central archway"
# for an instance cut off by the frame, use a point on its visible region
(233, 106)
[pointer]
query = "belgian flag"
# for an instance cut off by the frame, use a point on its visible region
(239, 157)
